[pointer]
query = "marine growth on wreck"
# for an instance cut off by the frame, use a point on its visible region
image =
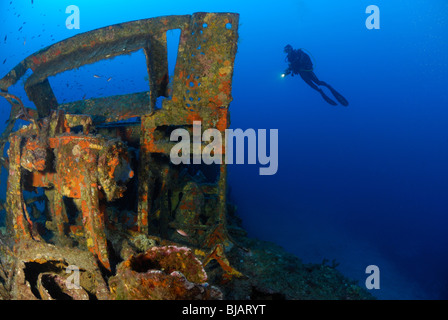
(94, 207)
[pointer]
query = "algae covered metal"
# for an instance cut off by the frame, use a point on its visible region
(83, 157)
(94, 207)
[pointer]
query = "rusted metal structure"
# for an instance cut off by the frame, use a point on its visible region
(79, 152)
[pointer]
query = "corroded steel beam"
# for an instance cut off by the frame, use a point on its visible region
(96, 45)
(90, 47)
(201, 91)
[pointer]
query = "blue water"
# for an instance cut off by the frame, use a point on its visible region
(364, 185)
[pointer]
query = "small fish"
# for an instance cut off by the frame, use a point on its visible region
(84, 97)
(24, 42)
(109, 79)
(4, 61)
(6, 37)
(20, 28)
(182, 233)
(96, 76)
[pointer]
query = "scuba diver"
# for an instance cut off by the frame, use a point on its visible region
(300, 63)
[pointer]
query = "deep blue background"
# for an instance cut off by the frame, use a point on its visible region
(366, 184)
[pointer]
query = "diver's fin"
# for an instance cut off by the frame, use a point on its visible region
(326, 98)
(339, 97)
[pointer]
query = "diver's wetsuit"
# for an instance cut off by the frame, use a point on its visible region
(300, 63)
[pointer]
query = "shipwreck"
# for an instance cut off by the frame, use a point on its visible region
(92, 193)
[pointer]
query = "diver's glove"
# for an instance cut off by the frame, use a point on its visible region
(287, 72)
